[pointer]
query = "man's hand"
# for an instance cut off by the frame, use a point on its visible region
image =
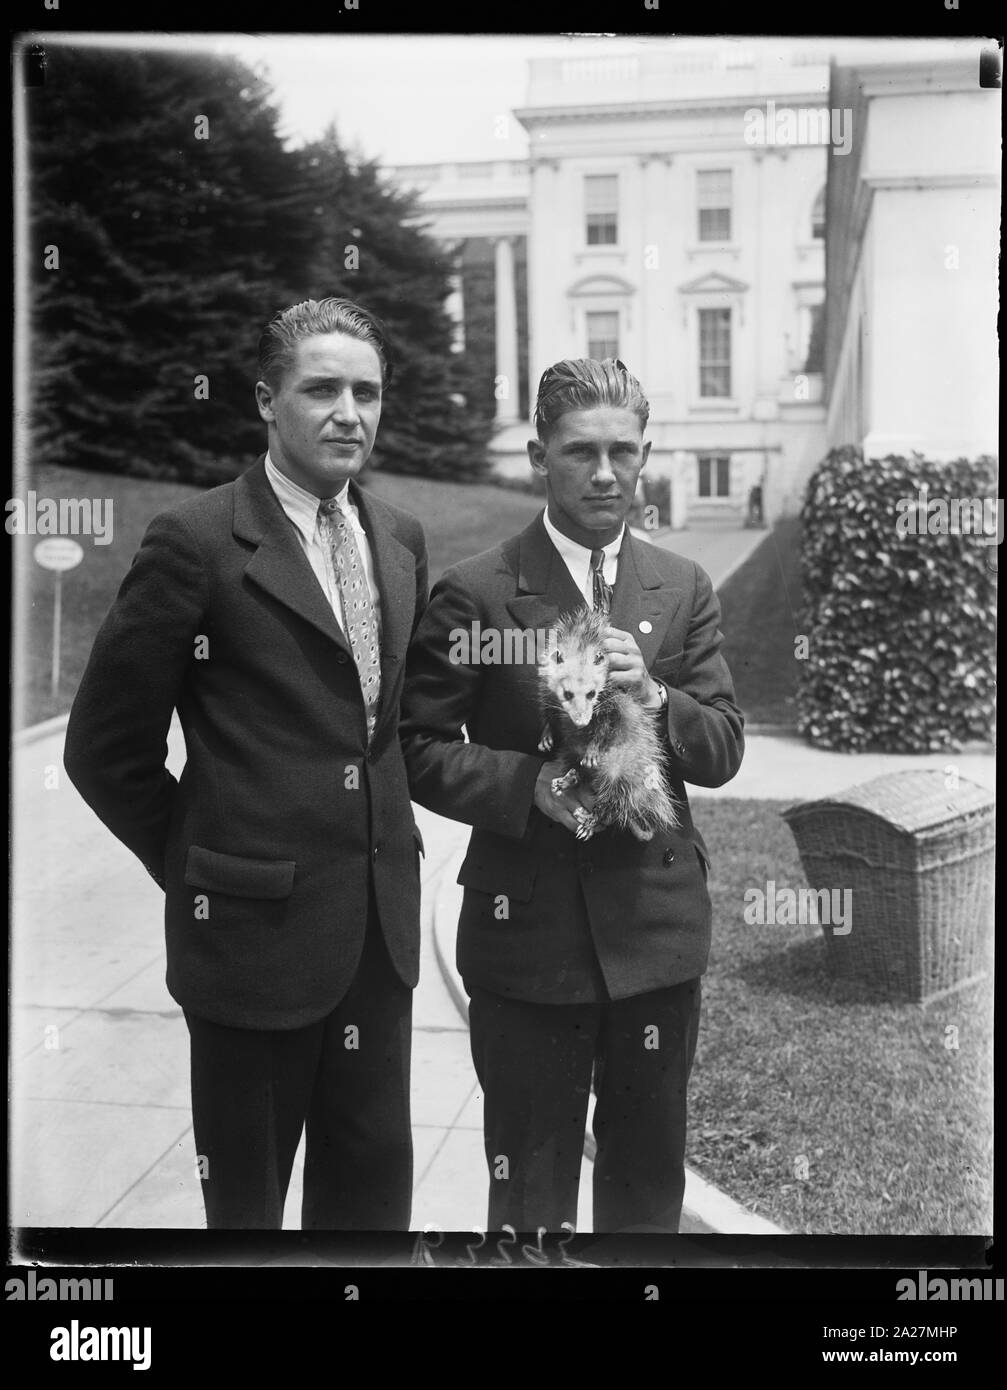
(626, 668)
(560, 808)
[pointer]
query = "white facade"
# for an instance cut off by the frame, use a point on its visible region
(658, 232)
(913, 246)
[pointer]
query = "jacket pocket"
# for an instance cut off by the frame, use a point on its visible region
(510, 879)
(241, 878)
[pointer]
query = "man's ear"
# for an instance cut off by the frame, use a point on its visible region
(264, 400)
(536, 456)
(646, 455)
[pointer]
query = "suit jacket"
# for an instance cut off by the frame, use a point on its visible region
(283, 823)
(647, 905)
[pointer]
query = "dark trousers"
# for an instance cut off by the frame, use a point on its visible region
(534, 1063)
(253, 1092)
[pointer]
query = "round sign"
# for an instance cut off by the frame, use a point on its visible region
(58, 553)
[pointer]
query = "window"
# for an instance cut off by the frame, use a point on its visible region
(818, 216)
(602, 335)
(815, 354)
(715, 352)
(601, 205)
(713, 198)
(714, 475)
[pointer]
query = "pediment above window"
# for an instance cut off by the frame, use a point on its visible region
(600, 285)
(713, 282)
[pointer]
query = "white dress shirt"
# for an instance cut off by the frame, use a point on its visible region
(302, 509)
(578, 559)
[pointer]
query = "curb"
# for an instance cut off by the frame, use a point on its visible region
(738, 561)
(444, 940)
(706, 1206)
(34, 732)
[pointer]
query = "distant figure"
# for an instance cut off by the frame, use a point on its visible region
(755, 506)
(274, 614)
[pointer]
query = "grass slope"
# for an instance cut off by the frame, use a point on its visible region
(761, 605)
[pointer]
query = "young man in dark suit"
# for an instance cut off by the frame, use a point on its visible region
(274, 614)
(580, 957)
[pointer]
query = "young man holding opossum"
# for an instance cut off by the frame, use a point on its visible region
(582, 935)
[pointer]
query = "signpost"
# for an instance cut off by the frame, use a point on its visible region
(58, 554)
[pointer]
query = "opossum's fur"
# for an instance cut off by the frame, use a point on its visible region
(602, 735)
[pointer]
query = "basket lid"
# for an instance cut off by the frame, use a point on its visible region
(910, 801)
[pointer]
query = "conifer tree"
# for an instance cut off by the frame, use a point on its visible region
(371, 248)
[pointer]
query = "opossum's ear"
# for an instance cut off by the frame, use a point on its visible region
(552, 656)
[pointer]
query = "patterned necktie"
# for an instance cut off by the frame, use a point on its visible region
(602, 591)
(359, 619)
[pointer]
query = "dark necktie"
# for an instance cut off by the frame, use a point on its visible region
(358, 611)
(602, 591)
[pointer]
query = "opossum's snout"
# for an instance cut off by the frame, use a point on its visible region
(579, 706)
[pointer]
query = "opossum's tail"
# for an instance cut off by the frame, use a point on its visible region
(629, 783)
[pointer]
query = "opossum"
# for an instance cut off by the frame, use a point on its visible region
(601, 733)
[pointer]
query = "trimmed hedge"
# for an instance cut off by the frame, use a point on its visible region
(900, 626)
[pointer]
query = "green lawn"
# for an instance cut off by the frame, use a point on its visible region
(459, 520)
(895, 1127)
(761, 605)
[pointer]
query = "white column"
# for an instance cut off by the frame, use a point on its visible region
(506, 375)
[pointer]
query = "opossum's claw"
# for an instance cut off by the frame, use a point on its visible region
(587, 823)
(545, 743)
(560, 784)
(590, 758)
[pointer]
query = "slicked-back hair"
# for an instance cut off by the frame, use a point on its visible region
(583, 383)
(286, 329)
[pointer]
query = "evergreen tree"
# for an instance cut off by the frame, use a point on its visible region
(368, 247)
(162, 182)
(168, 223)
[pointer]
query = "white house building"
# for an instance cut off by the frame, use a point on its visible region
(672, 212)
(913, 216)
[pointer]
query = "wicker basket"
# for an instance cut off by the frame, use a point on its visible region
(919, 860)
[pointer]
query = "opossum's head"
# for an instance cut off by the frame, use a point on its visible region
(575, 667)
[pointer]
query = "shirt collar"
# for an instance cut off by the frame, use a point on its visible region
(300, 505)
(580, 554)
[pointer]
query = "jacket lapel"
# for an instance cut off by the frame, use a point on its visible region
(643, 603)
(544, 587)
(279, 565)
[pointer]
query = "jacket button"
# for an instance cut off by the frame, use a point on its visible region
(374, 851)
(669, 857)
(342, 658)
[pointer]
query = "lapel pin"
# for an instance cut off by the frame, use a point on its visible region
(646, 627)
